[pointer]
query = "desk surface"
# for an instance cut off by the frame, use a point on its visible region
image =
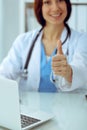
(70, 110)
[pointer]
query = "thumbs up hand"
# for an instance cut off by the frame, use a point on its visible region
(59, 64)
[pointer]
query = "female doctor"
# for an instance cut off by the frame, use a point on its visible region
(51, 59)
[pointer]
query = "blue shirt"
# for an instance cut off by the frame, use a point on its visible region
(45, 69)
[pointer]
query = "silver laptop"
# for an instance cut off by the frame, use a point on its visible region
(10, 116)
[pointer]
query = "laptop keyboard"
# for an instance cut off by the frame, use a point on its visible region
(26, 120)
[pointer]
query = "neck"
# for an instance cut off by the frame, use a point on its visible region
(52, 32)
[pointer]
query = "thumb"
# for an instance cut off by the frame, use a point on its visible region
(59, 47)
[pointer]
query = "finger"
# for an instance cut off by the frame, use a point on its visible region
(61, 63)
(60, 73)
(58, 58)
(59, 47)
(60, 69)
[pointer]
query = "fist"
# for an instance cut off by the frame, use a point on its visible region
(59, 64)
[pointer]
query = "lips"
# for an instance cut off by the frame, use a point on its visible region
(56, 15)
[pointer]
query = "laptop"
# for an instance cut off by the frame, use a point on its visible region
(10, 116)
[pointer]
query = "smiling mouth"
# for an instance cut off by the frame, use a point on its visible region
(56, 15)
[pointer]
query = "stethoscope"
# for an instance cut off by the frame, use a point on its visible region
(24, 73)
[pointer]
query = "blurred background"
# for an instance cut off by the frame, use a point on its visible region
(17, 16)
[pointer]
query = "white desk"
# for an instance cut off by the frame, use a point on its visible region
(70, 110)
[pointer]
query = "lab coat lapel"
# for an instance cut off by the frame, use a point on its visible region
(66, 44)
(34, 65)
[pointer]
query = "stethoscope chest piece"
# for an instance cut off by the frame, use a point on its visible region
(24, 74)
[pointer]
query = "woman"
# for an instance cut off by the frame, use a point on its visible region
(57, 61)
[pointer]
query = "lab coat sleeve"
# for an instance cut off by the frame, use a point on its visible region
(11, 65)
(79, 67)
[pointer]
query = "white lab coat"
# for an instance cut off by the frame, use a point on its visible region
(13, 64)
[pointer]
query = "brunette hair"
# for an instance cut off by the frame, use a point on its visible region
(41, 20)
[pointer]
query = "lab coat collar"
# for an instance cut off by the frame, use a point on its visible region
(64, 34)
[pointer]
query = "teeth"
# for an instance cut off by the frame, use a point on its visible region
(56, 15)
